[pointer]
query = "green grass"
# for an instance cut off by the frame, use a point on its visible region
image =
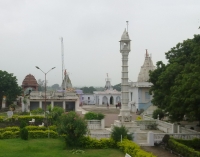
(48, 148)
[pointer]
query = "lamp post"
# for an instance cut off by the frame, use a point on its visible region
(45, 85)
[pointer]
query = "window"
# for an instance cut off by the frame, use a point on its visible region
(88, 98)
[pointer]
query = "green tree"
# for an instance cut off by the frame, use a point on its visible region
(117, 87)
(176, 86)
(158, 112)
(73, 127)
(8, 87)
(88, 89)
(55, 86)
(55, 113)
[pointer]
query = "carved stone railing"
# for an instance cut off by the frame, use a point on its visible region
(159, 136)
(96, 124)
(98, 136)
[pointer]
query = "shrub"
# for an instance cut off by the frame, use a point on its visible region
(1, 118)
(94, 116)
(118, 132)
(158, 112)
(56, 112)
(73, 126)
(37, 111)
(91, 143)
(166, 139)
(8, 135)
(24, 134)
(23, 124)
(133, 149)
(195, 143)
(33, 128)
(182, 149)
(42, 134)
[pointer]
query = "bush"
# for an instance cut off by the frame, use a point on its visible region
(94, 116)
(42, 134)
(55, 113)
(182, 149)
(73, 126)
(158, 112)
(37, 111)
(23, 124)
(117, 132)
(1, 118)
(133, 149)
(92, 143)
(195, 143)
(24, 134)
(9, 134)
(33, 128)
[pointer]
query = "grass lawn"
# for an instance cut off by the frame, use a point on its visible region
(48, 148)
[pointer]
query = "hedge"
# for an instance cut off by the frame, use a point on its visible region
(92, 143)
(9, 135)
(133, 149)
(33, 128)
(182, 149)
(94, 116)
(195, 143)
(42, 134)
(13, 129)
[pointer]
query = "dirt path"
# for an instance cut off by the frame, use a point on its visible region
(158, 151)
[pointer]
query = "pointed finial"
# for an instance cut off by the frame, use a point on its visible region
(65, 72)
(127, 25)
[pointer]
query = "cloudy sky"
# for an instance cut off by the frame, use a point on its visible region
(30, 32)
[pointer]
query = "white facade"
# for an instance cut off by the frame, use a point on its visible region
(69, 101)
(112, 97)
(139, 91)
(88, 99)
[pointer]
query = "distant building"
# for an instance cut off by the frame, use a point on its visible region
(139, 91)
(109, 95)
(67, 98)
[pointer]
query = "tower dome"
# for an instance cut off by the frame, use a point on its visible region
(30, 81)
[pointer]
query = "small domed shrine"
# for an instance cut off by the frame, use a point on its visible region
(30, 82)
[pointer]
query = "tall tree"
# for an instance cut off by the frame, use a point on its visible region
(8, 87)
(55, 86)
(176, 86)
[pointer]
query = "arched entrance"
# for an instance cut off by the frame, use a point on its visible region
(111, 100)
(105, 100)
(118, 99)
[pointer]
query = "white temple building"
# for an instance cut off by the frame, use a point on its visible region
(139, 91)
(109, 95)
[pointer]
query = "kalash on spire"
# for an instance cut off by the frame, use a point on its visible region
(66, 84)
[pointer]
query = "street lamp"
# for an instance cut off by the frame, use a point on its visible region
(45, 85)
